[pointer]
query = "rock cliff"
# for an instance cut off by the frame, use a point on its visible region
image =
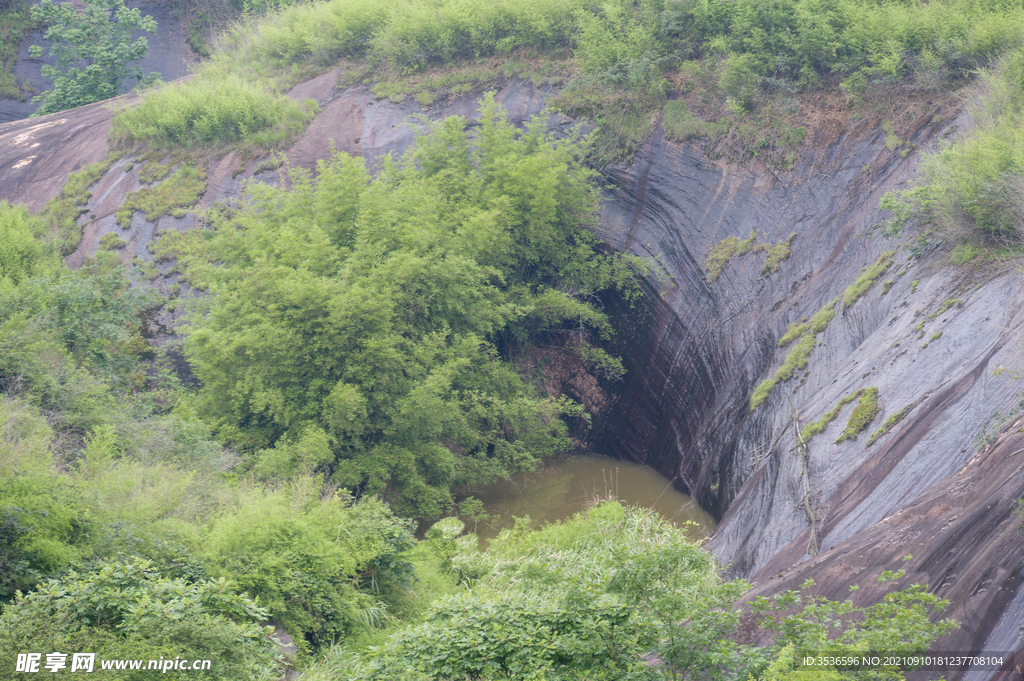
(932, 494)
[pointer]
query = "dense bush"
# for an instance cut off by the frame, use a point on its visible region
(357, 328)
(616, 593)
(312, 562)
(21, 253)
(978, 183)
(128, 610)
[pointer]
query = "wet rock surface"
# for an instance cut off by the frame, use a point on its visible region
(938, 485)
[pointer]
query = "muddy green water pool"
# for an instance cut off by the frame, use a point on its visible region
(566, 486)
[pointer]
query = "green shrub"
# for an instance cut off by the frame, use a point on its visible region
(972, 191)
(98, 36)
(402, 291)
(15, 24)
(44, 528)
(304, 556)
(21, 253)
(111, 242)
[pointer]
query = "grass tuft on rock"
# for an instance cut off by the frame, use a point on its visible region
(729, 247)
(60, 215)
(863, 414)
(815, 427)
(889, 423)
(858, 288)
(777, 253)
(181, 190)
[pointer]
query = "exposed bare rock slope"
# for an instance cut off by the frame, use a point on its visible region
(937, 486)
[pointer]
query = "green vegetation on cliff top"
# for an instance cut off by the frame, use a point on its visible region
(745, 65)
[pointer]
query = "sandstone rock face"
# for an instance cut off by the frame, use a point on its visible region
(937, 486)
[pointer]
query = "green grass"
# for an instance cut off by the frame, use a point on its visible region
(210, 111)
(857, 289)
(889, 423)
(729, 247)
(680, 125)
(60, 215)
(947, 304)
(821, 318)
(796, 359)
(795, 330)
(863, 414)
(777, 253)
(815, 427)
(181, 190)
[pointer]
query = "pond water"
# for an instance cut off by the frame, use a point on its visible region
(566, 486)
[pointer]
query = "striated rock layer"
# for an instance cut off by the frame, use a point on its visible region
(938, 486)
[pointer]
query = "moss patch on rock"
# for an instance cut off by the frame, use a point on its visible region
(777, 253)
(801, 352)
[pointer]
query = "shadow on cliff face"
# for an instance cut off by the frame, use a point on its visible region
(695, 350)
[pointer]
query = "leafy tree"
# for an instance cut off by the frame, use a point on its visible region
(95, 54)
(358, 328)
